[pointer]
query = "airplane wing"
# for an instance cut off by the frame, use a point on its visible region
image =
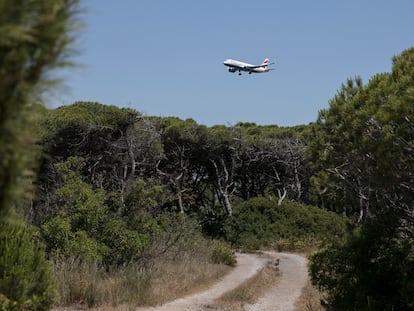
(258, 66)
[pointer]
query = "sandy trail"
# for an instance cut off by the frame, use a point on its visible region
(293, 270)
(247, 266)
(280, 298)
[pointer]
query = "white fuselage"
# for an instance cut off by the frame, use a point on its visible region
(235, 65)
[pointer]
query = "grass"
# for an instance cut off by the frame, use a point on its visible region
(309, 299)
(181, 278)
(87, 284)
(249, 291)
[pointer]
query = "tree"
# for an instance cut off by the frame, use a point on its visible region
(35, 39)
(84, 227)
(222, 164)
(182, 161)
(268, 161)
(75, 227)
(363, 153)
(117, 144)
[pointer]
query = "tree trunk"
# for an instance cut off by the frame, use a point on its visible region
(227, 204)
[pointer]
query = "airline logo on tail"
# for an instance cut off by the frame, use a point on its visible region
(235, 65)
(265, 63)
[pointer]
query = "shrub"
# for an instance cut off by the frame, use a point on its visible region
(26, 280)
(260, 222)
(125, 245)
(370, 270)
(222, 253)
(62, 240)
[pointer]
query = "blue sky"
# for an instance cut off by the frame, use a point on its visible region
(165, 58)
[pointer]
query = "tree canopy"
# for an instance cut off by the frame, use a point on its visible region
(362, 151)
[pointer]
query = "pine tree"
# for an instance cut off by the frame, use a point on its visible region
(35, 38)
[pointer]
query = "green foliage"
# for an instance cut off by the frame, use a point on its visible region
(361, 147)
(86, 115)
(57, 234)
(35, 37)
(260, 222)
(26, 280)
(62, 239)
(369, 271)
(125, 245)
(304, 245)
(84, 227)
(84, 204)
(87, 248)
(362, 150)
(74, 230)
(145, 195)
(116, 145)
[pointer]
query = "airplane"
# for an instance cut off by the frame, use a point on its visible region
(235, 65)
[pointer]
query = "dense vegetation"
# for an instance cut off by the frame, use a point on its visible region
(362, 152)
(118, 189)
(118, 195)
(110, 173)
(35, 38)
(259, 223)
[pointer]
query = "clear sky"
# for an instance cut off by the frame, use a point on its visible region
(165, 58)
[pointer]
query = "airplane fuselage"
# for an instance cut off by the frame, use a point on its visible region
(235, 65)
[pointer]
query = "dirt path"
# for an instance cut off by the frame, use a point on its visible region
(247, 266)
(293, 278)
(282, 297)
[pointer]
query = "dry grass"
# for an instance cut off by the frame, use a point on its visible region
(82, 285)
(89, 285)
(250, 291)
(309, 299)
(182, 278)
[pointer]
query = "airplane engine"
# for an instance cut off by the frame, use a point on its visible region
(232, 69)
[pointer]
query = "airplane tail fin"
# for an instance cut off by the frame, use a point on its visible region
(265, 63)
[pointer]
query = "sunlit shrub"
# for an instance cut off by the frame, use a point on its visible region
(222, 253)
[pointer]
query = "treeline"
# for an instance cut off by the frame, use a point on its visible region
(117, 189)
(199, 168)
(110, 174)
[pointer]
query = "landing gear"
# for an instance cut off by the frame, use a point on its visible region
(239, 73)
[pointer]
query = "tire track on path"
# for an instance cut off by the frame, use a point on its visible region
(282, 297)
(247, 266)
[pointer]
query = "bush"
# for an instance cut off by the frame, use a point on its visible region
(62, 240)
(302, 245)
(222, 253)
(125, 245)
(260, 222)
(370, 270)
(26, 280)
